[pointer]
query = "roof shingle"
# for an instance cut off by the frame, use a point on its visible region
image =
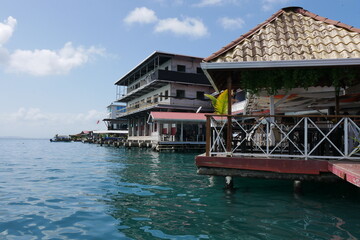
(293, 34)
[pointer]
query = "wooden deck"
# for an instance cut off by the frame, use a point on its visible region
(179, 146)
(281, 168)
(347, 170)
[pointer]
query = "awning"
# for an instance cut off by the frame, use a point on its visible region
(111, 132)
(177, 117)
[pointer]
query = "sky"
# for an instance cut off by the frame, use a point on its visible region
(59, 60)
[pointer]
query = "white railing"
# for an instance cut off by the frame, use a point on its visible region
(306, 137)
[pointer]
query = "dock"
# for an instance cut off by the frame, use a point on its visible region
(289, 169)
(348, 170)
(180, 146)
(302, 150)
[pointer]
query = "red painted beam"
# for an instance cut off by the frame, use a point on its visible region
(295, 166)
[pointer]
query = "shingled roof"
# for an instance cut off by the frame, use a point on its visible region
(293, 34)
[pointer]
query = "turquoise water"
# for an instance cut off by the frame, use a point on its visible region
(84, 191)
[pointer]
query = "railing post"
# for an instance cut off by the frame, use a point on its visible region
(208, 136)
(346, 136)
(267, 137)
(306, 137)
(229, 117)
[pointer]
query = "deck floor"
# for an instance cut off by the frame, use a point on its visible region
(347, 170)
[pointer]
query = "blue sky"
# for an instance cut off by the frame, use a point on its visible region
(59, 59)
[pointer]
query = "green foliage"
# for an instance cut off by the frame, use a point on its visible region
(220, 103)
(273, 80)
(358, 147)
(212, 98)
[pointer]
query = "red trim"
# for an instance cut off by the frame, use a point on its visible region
(178, 116)
(294, 166)
(349, 171)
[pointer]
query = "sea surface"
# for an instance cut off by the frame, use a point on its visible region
(85, 191)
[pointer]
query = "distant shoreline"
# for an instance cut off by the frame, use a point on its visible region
(23, 138)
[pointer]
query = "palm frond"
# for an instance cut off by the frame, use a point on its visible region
(212, 98)
(221, 106)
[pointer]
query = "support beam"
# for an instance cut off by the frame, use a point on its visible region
(272, 107)
(297, 186)
(208, 136)
(229, 182)
(229, 119)
(182, 132)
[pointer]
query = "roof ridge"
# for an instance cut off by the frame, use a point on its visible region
(299, 10)
(244, 36)
(327, 20)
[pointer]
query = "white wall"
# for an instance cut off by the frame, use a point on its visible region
(190, 92)
(191, 67)
(151, 94)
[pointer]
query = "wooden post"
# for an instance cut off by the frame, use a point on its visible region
(229, 118)
(229, 182)
(297, 187)
(208, 136)
(182, 132)
(337, 103)
(272, 108)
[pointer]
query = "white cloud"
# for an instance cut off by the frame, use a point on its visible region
(205, 3)
(47, 62)
(141, 15)
(188, 26)
(269, 4)
(32, 122)
(231, 23)
(7, 29)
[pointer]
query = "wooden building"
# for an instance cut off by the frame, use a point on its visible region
(301, 119)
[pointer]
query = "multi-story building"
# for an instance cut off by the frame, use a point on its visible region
(113, 111)
(163, 82)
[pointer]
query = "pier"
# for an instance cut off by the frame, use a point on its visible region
(296, 147)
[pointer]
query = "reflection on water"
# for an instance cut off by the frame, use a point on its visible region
(82, 191)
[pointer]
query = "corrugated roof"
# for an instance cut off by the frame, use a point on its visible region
(293, 34)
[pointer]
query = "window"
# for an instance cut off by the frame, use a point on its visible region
(148, 100)
(156, 98)
(166, 68)
(199, 70)
(161, 96)
(181, 68)
(240, 96)
(166, 94)
(200, 95)
(180, 93)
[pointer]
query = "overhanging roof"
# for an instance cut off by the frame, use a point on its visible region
(292, 33)
(111, 132)
(177, 117)
(150, 63)
(291, 38)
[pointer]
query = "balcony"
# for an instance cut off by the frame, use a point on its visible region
(160, 78)
(136, 108)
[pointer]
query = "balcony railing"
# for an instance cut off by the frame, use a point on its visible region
(160, 78)
(135, 108)
(305, 137)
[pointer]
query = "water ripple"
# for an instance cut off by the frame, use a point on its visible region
(82, 191)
